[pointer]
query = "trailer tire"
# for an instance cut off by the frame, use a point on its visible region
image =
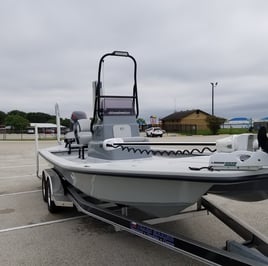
(44, 187)
(50, 202)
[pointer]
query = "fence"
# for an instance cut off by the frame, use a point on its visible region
(25, 136)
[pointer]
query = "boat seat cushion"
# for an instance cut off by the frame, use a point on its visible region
(84, 125)
(84, 133)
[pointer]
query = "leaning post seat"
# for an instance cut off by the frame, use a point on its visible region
(71, 136)
(83, 135)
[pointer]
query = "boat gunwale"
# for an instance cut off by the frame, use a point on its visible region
(234, 179)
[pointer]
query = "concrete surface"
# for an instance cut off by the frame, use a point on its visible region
(26, 238)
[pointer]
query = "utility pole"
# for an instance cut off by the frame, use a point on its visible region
(212, 104)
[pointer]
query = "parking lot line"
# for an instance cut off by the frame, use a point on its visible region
(41, 224)
(19, 193)
(17, 176)
(18, 166)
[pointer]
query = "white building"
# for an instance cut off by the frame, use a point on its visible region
(238, 122)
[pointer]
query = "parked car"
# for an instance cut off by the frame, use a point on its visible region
(30, 130)
(154, 132)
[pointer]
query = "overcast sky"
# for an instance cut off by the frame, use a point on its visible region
(50, 50)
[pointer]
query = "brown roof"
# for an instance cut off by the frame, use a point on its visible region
(182, 114)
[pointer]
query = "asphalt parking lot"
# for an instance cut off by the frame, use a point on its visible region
(30, 235)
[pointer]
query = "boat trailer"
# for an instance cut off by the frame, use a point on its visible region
(58, 193)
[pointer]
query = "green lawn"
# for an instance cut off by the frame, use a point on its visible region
(225, 131)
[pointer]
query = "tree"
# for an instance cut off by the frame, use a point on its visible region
(214, 123)
(141, 121)
(2, 117)
(65, 122)
(17, 112)
(31, 117)
(16, 122)
(38, 117)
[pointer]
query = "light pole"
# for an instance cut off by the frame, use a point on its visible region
(212, 104)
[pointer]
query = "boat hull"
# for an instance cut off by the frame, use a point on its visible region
(247, 191)
(159, 186)
(157, 197)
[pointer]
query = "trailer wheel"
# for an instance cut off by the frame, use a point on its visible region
(50, 202)
(44, 187)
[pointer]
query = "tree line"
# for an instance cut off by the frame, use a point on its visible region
(19, 120)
